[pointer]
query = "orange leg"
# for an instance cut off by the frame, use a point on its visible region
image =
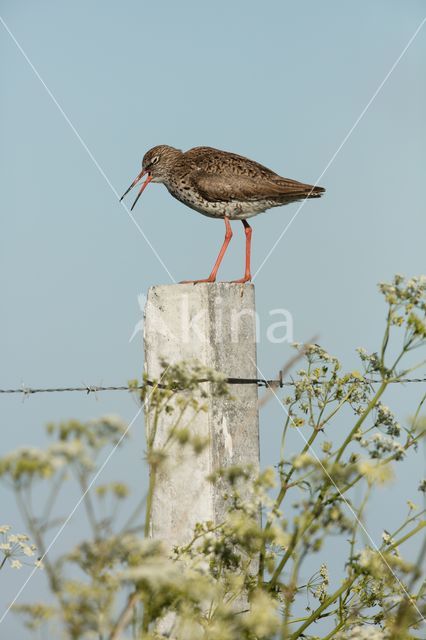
(212, 276)
(247, 274)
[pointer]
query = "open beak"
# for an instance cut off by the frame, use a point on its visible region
(135, 182)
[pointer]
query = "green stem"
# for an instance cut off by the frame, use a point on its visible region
(88, 504)
(284, 435)
(273, 581)
(134, 515)
(328, 481)
(327, 602)
(385, 338)
(407, 522)
(416, 415)
(57, 485)
(289, 599)
(335, 630)
(277, 503)
(336, 409)
(361, 419)
(200, 535)
(407, 536)
(150, 495)
(409, 443)
(358, 517)
(52, 573)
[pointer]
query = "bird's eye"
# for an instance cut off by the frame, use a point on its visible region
(155, 160)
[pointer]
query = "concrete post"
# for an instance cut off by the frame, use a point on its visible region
(214, 324)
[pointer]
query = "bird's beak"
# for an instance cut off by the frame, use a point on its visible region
(135, 182)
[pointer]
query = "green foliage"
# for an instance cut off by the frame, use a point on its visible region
(243, 579)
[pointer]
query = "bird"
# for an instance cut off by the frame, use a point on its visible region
(223, 185)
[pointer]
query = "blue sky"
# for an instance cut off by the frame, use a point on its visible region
(281, 82)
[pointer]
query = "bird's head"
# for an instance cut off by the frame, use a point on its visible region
(157, 165)
(159, 160)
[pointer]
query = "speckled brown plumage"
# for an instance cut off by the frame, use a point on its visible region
(220, 184)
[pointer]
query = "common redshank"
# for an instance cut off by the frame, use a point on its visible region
(222, 185)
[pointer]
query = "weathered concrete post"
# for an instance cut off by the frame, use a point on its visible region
(215, 324)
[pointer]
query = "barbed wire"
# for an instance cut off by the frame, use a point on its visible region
(260, 382)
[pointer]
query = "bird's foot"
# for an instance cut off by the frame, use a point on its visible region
(197, 281)
(241, 280)
(247, 278)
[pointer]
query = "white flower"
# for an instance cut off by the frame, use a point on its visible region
(203, 567)
(27, 550)
(363, 632)
(324, 573)
(22, 537)
(321, 592)
(4, 528)
(16, 564)
(303, 460)
(386, 537)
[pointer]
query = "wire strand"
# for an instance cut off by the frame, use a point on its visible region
(260, 382)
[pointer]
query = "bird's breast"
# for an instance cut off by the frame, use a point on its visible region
(235, 210)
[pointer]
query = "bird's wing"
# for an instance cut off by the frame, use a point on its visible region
(230, 187)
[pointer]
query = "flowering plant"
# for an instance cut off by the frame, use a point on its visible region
(243, 578)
